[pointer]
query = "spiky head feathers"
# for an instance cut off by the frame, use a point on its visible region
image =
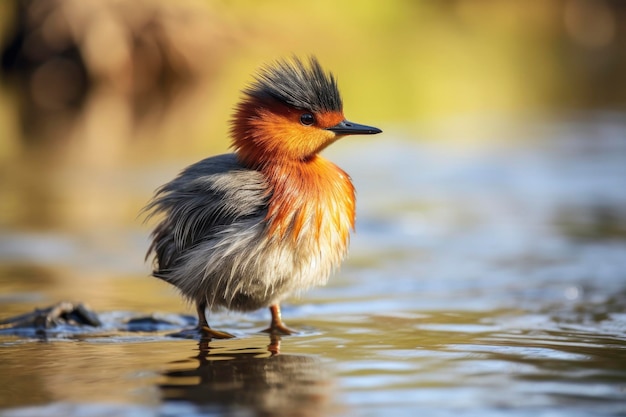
(298, 85)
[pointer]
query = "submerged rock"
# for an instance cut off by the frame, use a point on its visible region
(66, 319)
(61, 314)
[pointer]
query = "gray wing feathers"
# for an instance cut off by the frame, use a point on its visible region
(204, 199)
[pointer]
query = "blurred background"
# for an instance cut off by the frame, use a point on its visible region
(103, 101)
(488, 268)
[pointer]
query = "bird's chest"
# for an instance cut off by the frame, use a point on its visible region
(312, 211)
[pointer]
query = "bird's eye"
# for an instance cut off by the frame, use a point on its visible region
(307, 119)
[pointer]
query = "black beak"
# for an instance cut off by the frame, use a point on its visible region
(348, 128)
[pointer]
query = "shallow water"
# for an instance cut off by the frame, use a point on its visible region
(481, 281)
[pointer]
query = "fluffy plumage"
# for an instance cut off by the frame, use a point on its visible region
(298, 86)
(247, 229)
(213, 243)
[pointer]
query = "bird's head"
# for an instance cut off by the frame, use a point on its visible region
(290, 112)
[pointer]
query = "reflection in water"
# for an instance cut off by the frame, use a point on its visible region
(233, 377)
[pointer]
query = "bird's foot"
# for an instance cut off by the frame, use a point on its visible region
(279, 329)
(209, 333)
(204, 332)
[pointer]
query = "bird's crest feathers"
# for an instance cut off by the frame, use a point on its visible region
(298, 85)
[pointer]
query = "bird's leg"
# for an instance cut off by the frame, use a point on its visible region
(277, 326)
(203, 325)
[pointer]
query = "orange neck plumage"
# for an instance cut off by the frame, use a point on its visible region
(310, 196)
(315, 196)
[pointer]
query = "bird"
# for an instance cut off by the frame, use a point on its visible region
(245, 230)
